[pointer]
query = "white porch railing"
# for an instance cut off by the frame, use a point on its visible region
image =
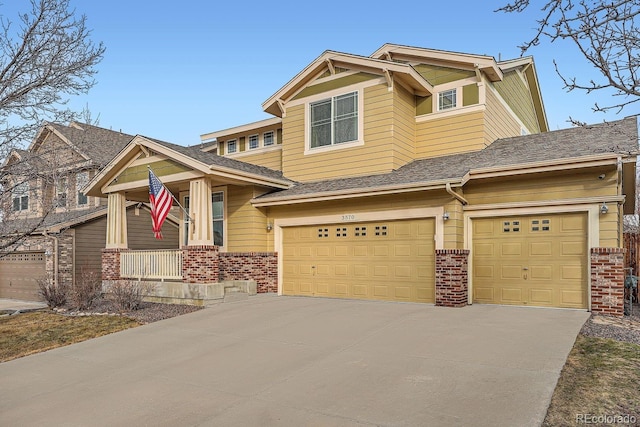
(157, 264)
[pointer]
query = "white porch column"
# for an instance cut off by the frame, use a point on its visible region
(116, 222)
(201, 225)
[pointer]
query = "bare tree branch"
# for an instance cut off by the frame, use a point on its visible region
(605, 33)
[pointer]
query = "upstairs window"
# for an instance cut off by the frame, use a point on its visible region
(232, 146)
(61, 193)
(267, 139)
(334, 121)
(447, 100)
(253, 142)
(20, 194)
(82, 179)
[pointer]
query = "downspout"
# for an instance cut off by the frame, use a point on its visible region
(55, 256)
(620, 206)
(457, 196)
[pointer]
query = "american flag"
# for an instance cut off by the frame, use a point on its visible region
(161, 201)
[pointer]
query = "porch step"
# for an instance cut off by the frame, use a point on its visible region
(234, 293)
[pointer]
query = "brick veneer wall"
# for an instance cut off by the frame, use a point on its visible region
(259, 266)
(452, 277)
(607, 281)
(200, 264)
(111, 264)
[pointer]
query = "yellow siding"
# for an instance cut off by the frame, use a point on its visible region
(360, 205)
(499, 122)
(515, 92)
(557, 186)
(246, 225)
(610, 234)
(270, 159)
(375, 156)
(454, 226)
(404, 127)
(450, 135)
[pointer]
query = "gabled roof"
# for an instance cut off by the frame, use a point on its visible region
(201, 161)
(509, 155)
(95, 144)
(330, 60)
(486, 64)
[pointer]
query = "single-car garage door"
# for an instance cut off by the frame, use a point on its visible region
(383, 260)
(18, 274)
(537, 260)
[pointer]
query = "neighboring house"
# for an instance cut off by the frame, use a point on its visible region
(410, 175)
(65, 229)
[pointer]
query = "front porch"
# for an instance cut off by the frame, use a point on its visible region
(196, 275)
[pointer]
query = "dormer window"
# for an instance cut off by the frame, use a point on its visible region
(20, 195)
(232, 146)
(447, 100)
(334, 120)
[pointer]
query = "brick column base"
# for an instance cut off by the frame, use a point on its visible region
(259, 266)
(111, 263)
(607, 281)
(200, 264)
(452, 277)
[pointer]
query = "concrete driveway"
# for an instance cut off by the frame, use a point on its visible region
(303, 362)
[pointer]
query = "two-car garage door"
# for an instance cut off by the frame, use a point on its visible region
(18, 274)
(382, 260)
(537, 260)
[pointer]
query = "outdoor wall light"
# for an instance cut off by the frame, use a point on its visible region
(269, 226)
(604, 208)
(445, 216)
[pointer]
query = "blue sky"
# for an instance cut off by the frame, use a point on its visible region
(176, 70)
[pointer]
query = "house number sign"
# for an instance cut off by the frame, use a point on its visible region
(348, 217)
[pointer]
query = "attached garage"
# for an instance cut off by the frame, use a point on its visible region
(19, 272)
(539, 260)
(379, 260)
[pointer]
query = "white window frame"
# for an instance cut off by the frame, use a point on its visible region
(264, 139)
(332, 95)
(441, 96)
(82, 178)
(20, 192)
(234, 143)
(253, 138)
(186, 220)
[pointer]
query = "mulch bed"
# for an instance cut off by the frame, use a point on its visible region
(148, 312)
(626, 329)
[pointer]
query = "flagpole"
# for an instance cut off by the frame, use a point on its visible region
(177, 201)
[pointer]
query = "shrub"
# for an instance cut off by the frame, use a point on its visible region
(128, 294)
(55, 295)
(86, 290)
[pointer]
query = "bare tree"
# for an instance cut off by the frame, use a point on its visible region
(46, 56)
(604, 32)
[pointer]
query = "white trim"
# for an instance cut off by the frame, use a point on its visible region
(414, 213)
(307, 121)
(436, 115)
(593, 231)
(209, 137)
(225, 220)
(255, 151)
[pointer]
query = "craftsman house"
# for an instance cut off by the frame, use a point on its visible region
(409, 175)
(65, 229)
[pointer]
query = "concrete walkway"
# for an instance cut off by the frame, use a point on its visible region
(285, 361)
